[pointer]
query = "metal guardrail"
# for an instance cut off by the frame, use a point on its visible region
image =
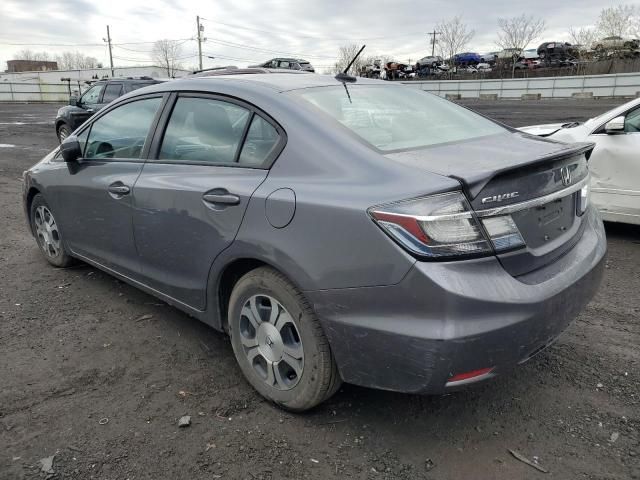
(36, 92)
(612, 85)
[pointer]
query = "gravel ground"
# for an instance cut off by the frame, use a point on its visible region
(97, 374)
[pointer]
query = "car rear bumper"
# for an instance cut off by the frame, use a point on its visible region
(449, 318)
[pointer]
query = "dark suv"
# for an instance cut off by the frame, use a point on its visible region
(94, 99)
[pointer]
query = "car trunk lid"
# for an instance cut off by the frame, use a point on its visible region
(535, 180)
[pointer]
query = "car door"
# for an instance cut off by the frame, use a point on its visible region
(615, 170)
(88, 103)
(191, 196)
(94, 194)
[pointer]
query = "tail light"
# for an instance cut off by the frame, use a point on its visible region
(583, 199)
(443, 226)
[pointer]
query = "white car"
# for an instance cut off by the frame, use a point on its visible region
(615, 42)
(615, 161)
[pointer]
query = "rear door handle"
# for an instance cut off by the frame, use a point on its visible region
(221, 198)
(119, 189)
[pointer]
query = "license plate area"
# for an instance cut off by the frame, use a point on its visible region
(543, 224)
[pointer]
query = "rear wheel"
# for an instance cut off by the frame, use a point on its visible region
(63, 132)
(279, 343)
(47, 232)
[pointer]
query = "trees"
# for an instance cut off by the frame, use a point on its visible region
(76, 61)
(345, 55)
(167, 54)
(582, 38)
(454, 37)
(620, 21)
(517, 33)
(27, 54)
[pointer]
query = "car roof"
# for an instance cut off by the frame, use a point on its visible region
(129, 80)
(279, 81)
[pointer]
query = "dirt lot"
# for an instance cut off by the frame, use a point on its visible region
(97, 373)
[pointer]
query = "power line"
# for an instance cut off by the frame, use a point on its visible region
(85, 44)
(316, 37)
(266, 50)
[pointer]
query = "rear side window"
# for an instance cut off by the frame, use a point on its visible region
(204, 130)
(111, 92)
(121, 133)
(261, 140)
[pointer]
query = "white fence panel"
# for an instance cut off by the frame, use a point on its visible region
(614, 85)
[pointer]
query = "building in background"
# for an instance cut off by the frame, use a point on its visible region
(14, 66)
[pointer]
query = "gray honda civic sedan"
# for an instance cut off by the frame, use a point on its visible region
(337, 229)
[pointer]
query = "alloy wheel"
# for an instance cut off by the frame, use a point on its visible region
(271, 342)
(47, 232)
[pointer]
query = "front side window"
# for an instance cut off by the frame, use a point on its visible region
(632, 121)
(284, 64)
(92, 95)
(121, 133)
(204, 130)
(394, 118)
(261, 139)
(111, 92)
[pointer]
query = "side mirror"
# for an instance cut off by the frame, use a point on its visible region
(615, 126)
(70, 149)
(73, 100)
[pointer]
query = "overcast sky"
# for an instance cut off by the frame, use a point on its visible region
(262, 29)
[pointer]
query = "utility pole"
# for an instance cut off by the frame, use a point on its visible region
(433, 41)
(108, 40)
(200, 29)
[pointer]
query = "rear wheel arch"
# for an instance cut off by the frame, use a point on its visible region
(228, 278)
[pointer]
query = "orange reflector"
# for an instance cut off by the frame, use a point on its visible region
(468, 375)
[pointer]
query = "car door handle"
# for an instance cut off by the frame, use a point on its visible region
(221, 198)
(119, 189)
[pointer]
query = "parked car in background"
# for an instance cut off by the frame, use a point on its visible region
(287, 63)
(96, 97)
(509, 54)
(616, 42)
(530, 54)
(466, 58)
(556, 50)
(484, 67)
(466, 69)
(338, 229)
(431, 61)
(615, 161)
(488, 57)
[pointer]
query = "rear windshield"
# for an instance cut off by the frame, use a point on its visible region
(395, 118)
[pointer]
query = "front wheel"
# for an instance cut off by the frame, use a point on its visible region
(47, 233)
(63, 132)
(279, 343)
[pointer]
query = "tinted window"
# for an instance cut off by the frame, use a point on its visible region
(393, 118)
(632, 121)
(111, 92)
(260, 142)
(92, 95)
(204, 130)
(121, 133)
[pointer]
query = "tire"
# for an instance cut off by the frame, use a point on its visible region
(63, 132)
(287, 358)
(48, 234)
